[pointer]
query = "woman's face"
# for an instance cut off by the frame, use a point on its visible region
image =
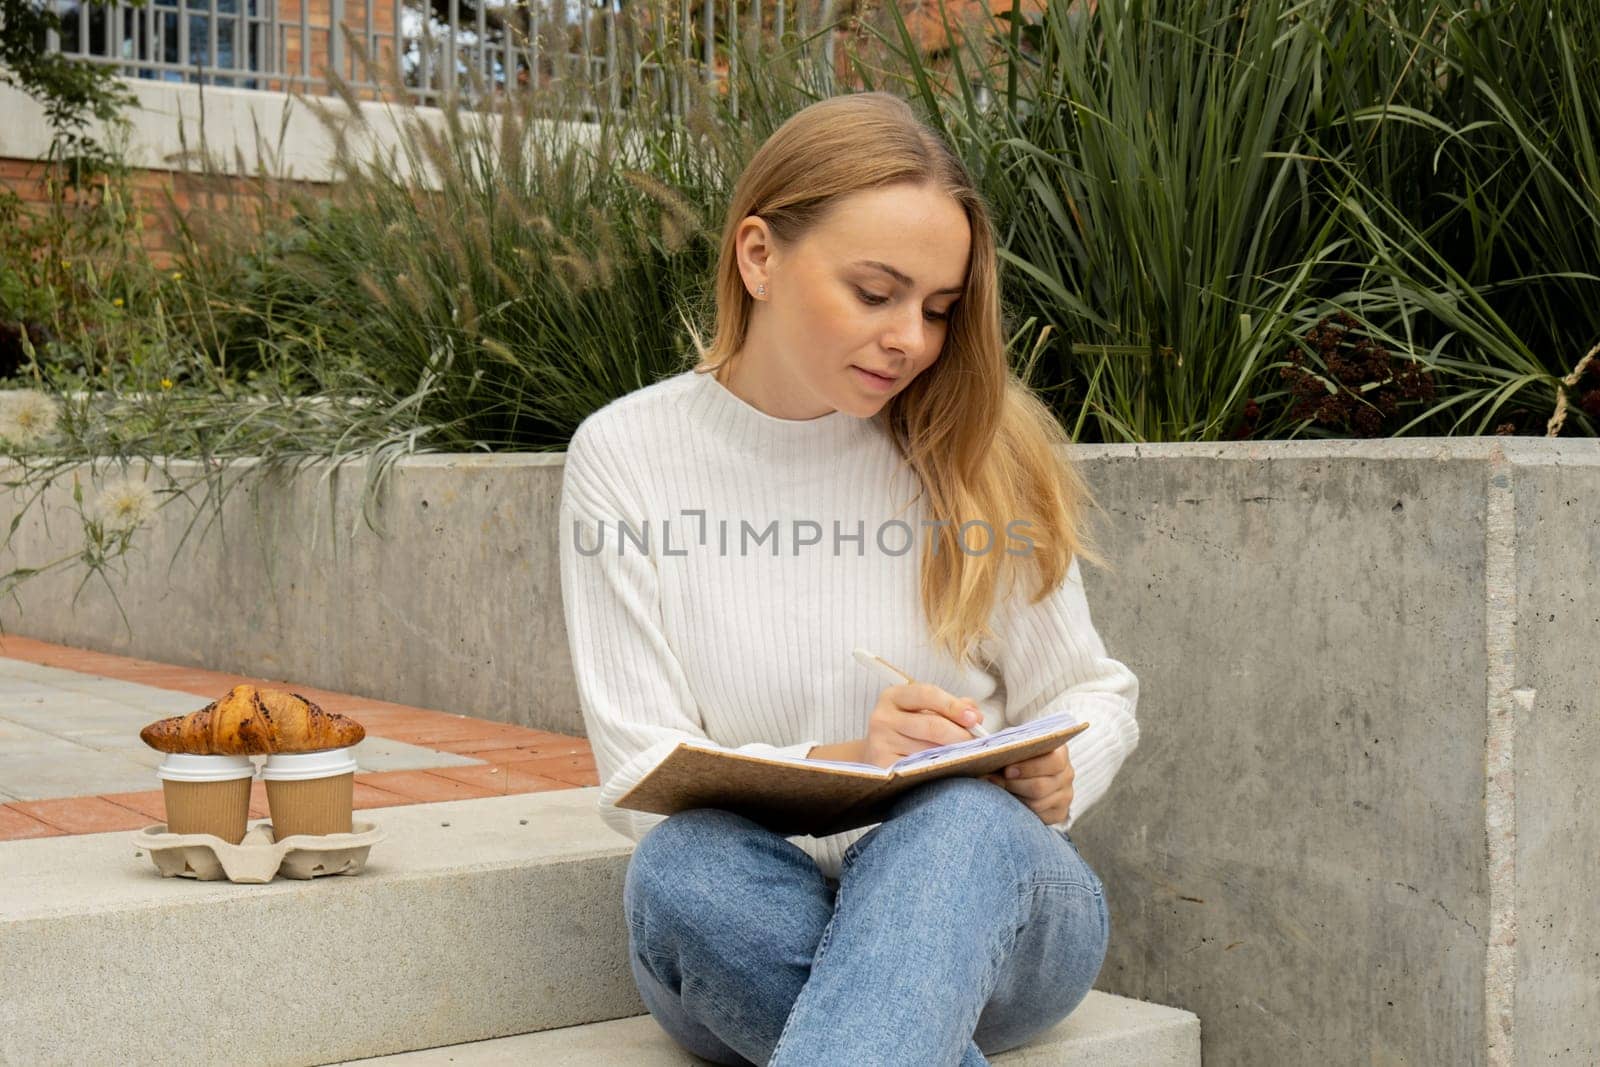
(866, 292)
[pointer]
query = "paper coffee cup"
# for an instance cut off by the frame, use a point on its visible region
(310, 792)
(207, 794)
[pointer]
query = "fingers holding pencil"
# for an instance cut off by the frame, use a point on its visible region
(913, 716)
(892, 674)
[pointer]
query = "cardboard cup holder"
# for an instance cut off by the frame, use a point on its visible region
(259, 857)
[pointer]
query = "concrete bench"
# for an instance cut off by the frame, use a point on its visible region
(1104, 1030)
(474, 920)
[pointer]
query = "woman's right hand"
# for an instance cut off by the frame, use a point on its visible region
(913, 716)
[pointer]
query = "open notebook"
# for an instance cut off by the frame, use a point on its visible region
(795, 795)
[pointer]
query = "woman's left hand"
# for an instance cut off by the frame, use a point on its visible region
(1043, 783)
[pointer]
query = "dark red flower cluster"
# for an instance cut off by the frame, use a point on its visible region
(1369, 382)
(1247, 428)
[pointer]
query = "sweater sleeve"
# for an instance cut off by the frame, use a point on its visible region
(1051, 659)
(636, 701)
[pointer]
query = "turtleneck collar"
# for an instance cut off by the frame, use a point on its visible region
(759, 431)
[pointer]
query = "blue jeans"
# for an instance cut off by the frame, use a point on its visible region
(960, 923)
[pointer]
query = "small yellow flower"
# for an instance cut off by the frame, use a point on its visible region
(166, 383)
(116, 301)
(66, 264)
(177, 275)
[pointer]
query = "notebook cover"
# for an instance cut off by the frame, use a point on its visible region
(789, 799)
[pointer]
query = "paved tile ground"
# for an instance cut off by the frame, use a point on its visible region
(71, 761)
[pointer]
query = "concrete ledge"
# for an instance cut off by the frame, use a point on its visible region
(312, 589)
(468, 923)
(1104, 1031)
(250, 131)
(1361, 818)
(475, 919)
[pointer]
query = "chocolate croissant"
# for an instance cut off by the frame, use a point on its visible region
(251, 721)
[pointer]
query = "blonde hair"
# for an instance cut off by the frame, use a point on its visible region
(981, 443)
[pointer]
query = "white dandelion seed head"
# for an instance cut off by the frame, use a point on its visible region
(124, 505)
(27, 416)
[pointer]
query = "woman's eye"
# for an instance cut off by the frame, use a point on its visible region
(874, 300)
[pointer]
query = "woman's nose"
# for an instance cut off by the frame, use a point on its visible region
(909, 332)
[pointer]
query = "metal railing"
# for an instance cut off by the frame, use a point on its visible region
(437, 51)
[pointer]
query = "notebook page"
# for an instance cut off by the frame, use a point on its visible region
(955, 750)
(794, 761)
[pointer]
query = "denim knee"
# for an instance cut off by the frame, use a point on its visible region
(969, 802)
(680, 836)
(969, 814)
(670, 858)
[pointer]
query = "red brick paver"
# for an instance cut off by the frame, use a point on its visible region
(368, 795)
(517, 759)
(425, 787)
(503, 778)
(82, 815)
(149, 804)
(14, 825)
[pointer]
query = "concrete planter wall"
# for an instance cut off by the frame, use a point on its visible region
(1362, 823)
(456, 605)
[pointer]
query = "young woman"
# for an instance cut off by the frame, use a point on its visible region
(824, 479)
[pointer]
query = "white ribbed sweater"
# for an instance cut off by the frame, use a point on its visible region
(682, 623)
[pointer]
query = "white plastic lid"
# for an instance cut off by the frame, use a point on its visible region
(298, 766)
(187, 767)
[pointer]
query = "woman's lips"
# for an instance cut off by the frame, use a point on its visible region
(875, 381)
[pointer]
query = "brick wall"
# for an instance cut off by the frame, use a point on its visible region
(153, 193)
(969, 19)
(923, 20)
(310, 52)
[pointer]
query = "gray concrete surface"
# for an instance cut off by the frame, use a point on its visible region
(1103, 1031)
(1360, 825)
(457, 603)
(1359, 828)
(1550, 804)
(473, 919)
(67, 734)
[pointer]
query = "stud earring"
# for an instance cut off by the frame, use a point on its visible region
(761, 290)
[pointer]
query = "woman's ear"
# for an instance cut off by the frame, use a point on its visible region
(753, 246)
